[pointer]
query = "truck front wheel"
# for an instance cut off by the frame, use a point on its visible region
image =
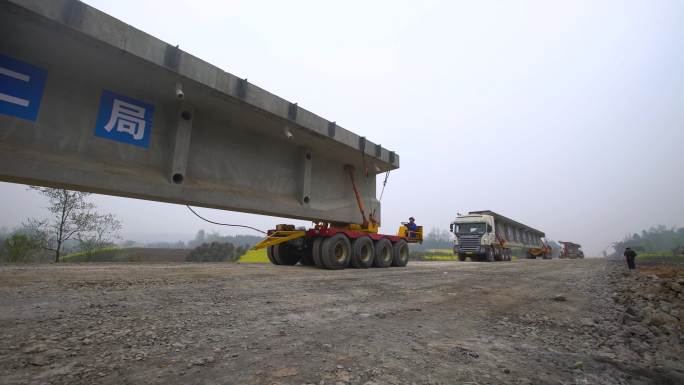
(489, 255)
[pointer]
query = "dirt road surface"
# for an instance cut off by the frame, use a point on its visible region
(524, 322)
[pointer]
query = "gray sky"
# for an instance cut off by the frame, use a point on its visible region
(565, 115)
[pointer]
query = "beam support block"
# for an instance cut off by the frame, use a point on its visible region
(181, 144)
(305, 183)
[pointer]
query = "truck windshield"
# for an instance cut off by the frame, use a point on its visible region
(470, 228)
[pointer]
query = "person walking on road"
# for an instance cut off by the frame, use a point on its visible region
(630, 256)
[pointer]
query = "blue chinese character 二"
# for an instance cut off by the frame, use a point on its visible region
(124, 119)
(21, 88)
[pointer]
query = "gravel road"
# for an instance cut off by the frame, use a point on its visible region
(523, 322)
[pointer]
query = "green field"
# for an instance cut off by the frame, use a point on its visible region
(254, 256)
(133, 254)
(656, 254)
(85, 256)
(440, 258)
(440, 251)
(434, 255)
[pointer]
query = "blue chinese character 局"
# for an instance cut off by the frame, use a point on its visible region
(124, 119)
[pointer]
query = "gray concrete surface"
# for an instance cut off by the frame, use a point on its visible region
(237, 147)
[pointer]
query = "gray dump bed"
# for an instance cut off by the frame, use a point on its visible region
(515, 233)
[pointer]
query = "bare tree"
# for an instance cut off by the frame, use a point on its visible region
(104, 230)
(73, 218)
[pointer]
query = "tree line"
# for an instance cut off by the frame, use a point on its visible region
(73, 224)
(656, 239)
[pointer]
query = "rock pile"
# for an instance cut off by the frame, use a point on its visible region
(650, 310)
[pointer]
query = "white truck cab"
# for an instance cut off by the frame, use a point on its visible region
(474, 236)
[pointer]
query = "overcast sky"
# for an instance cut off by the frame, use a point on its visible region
(565, 115)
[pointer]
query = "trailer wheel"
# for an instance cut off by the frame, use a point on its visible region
(307, 260)
(316, 253)
(400, 253)
(271, 257)
(336, 252)
(462, 257)
(362, 253)
(306, 254)
(383, 253)
(508, 254)
(284, 254)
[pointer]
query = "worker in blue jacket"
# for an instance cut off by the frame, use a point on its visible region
(412, 227)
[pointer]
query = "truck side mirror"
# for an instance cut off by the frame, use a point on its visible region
(489, 228)
(451, 227)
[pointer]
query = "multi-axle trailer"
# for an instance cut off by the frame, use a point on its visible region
(336, 246)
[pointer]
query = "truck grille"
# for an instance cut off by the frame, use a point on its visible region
(469, 242)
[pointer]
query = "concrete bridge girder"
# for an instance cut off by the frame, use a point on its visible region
(208, 139)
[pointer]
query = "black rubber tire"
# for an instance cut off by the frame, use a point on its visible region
(508, 254)
(284, 254)
(307, 260)
(336, 252)
(400, 253)
(269, 254)
(461, 257)
(316, 253)
(383, 253)
(489, 255)
(363, 253)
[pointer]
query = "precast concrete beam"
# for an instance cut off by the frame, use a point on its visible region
(90, 103)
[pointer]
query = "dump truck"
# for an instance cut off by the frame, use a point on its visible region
(570, 250)
(129, 115)
(488, 236)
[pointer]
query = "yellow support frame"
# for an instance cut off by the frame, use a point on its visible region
(279, 236)
(417, 235)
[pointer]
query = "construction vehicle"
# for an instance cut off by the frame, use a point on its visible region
(488, 236)
(571, 250)
(336, 246)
